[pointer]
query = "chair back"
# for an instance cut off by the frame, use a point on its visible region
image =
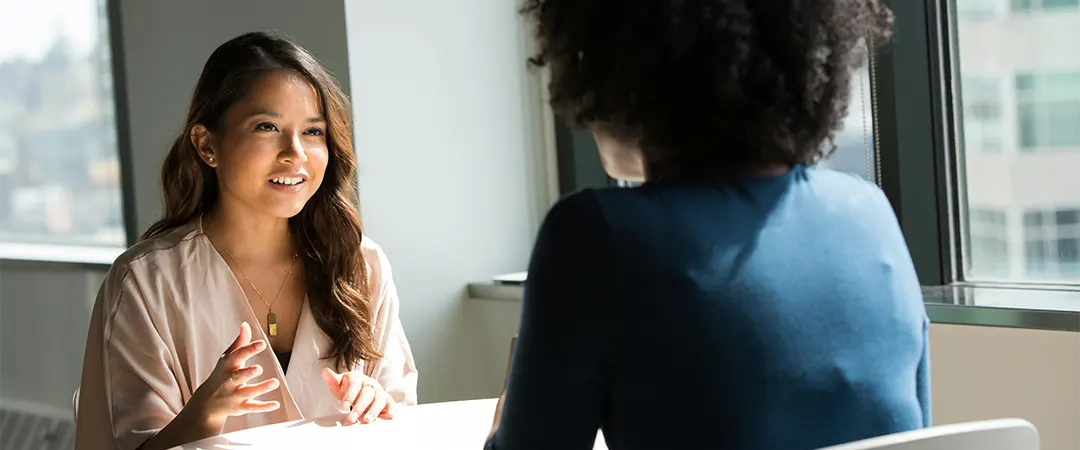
(75, 405)
(1000, 434)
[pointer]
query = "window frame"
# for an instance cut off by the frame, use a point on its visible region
(913, 81)
(85, 255)
(919, 77)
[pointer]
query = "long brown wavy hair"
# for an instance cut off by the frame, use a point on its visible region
(328, 229)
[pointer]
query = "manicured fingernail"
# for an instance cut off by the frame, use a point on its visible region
(274, 383)
(368, 418)
(354, 416)
(345, 407)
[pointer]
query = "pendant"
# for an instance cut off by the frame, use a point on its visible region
(271, 324)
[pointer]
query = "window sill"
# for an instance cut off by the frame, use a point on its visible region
(63, 254)
(998, 306)
(1028, 308)
(496, 291)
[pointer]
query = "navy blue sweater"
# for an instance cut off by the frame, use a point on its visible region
(730, 313)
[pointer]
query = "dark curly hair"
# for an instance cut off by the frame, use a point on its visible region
(718, 84)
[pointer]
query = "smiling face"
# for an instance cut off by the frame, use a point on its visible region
(270, 151)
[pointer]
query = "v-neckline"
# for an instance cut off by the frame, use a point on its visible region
(286, 392)
(247, 301)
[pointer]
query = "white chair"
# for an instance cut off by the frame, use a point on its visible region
(75, 405)
(1000, 434)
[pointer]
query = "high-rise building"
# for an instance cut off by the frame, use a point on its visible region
(1019, 72)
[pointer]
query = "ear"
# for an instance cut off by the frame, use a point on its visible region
(201, 139)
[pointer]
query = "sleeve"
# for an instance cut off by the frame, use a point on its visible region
(396, 371)
(555, 391)
(128, 390)
(922, 386)
(907, 291)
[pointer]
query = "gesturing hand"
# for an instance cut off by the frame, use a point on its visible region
(226, 392)
(360, 395)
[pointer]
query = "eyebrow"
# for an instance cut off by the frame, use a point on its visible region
(275, 114)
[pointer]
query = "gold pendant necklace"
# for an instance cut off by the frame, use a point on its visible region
(271, 319)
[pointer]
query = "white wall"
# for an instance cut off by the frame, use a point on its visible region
(983, 373)
(448, 146)
(45, 308)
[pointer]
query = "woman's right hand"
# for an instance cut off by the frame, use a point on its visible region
(226, 392)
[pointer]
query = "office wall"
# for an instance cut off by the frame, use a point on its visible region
(447, 141)
(984, 373)
(45, 307)
(44, 310)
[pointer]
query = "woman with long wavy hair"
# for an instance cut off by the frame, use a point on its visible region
(256, 298)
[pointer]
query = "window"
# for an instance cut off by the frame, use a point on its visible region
(1041, 5)
(580, 167)
(59, 166)
(855, 142)
(989, 243)
(976, 9)
(982, 114)
(1020, 112)
(1048, 110)
(1052, 244)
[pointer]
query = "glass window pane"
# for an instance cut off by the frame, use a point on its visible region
(1064, 84)
(1048, 4)
(855, 142)
(1028, 127)
(1035, 260)
(1034, 118)
(1017, 5)
(989, 242)
(1064, 218)
(1068, 250)
(1063, 124)
(59, 171)
(977, 9)
(990, 256)
(1032, 219)
(982, 114)
(1025, 86)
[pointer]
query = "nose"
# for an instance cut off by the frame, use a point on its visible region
(293, 152)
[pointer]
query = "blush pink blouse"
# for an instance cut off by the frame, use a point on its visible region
(167, 310)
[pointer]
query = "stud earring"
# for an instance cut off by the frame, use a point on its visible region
(210, 160)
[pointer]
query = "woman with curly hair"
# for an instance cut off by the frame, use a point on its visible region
(741, 297)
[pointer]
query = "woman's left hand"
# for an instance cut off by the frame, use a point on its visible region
(360, 395)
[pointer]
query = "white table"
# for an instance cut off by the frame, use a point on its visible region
(451, 425)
